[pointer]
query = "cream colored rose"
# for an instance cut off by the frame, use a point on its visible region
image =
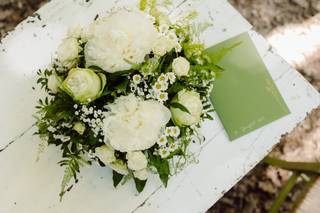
(120, 40)
(53, 83)
(141, 174)
(68, 52)
(133, 124)
(191, 101)
(136, 160)
(106, 154)
(181, 66)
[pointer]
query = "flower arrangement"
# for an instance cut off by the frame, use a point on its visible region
(129, 92)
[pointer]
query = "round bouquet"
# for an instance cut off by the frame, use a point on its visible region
(129, 92)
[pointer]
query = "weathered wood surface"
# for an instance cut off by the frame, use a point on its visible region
(30, 186)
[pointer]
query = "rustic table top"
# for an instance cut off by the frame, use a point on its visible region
(30, 186)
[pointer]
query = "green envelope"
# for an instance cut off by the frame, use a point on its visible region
(245, 96)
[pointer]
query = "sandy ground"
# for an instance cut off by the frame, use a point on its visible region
(256, 192)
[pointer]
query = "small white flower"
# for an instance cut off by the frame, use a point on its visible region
(162, 141)
(162, 96)
(175, 131)
(172, 77)
(181, 66)
(163, 78)
(167, 131)
(141, 174)
(137, 79)
(163, 28)
(164, 152)
(164, 86)
(173, 147)
(75, 106)
(136, 160)
(157, 87)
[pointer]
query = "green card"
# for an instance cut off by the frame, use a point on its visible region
(245, 96)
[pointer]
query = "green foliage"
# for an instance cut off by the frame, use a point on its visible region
(72, 165)
(162, 167)
(179, 106)
(116, 178)
(140, 184)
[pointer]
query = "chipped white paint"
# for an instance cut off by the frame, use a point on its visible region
(30, 186)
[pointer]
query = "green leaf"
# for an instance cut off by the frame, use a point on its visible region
(140, 184)
(162, 166)
(179, 106)
(176, 87)
(96, 68)
(116, 178)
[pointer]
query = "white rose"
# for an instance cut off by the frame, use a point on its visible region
(191, 101)
(106, 154)
(68, 52)
(84, 85)
(181, 66)
(120, 40)
(136, 160)
(163, 45)
(141, 174)
(133, 124)
(120, 167)
(53, 83)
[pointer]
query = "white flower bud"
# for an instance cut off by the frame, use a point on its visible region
(53, 83)
(106, 154)
(141, 174)
(136, 160)
(79, 127)
(68, 52)
(191, 101)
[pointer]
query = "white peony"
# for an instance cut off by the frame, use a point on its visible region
(136, 160)
(133, 124)
(191, 101)
(68, 52)
(106, 154)
(181, 66)
(163, 45)
(53, 83)
(120, 167)
(120, 40)
(141, 174)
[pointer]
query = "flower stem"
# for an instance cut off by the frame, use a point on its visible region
(294, 166)
(304, 192)
(284, 193)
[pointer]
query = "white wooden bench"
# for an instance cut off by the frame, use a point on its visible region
(30, 186)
